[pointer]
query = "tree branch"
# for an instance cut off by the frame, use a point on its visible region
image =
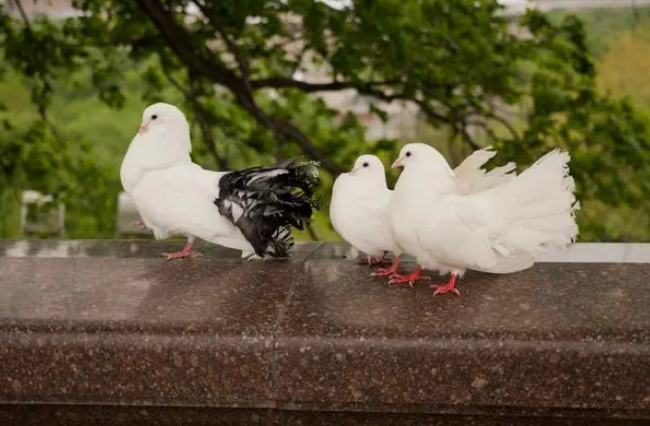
(422, 104)
(364, 89)
(180, 43)
(513, 132)
(285, 82)
(242, 63)
(462, 128)
(284, 128)
(168, 75)
(492, 113)
(485, 124)
(23, 15)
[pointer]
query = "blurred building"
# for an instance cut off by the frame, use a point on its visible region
(54, 8)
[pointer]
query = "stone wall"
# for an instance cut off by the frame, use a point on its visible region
(106, 333)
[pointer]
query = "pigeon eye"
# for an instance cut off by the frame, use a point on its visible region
(408, 153)
(366, 164)
(153, 117)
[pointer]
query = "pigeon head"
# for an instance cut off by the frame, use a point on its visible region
(161, 115)
(419, 155)
(368, 165)
(426, 163)
(164, 129)
(162, 141)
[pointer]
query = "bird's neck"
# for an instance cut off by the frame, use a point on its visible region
(155, 150)
(356, 188)
(429, 183)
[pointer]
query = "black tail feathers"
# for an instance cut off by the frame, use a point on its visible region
(265, 202)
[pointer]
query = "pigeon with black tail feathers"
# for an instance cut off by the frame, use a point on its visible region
(251, 210)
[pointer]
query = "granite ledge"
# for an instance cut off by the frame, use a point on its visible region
(315, 340)
(84, 415)
(142, 248)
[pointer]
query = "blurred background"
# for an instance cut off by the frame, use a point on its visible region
(265, 80)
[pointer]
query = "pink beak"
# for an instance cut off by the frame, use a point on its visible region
(143, 127)
(397, 163)
(353, 171)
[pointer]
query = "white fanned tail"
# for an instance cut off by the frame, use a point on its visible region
(472, 178)
(543, 205)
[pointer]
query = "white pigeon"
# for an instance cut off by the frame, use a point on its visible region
(361, 198)
(497, 230)
(251, 210)
(359, 212)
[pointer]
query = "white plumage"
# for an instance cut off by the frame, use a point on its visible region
(359, 210)
(172, 194)
(175, 196)
(497, 230)
(361, 199)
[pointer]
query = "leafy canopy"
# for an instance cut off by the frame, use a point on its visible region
(482, 79)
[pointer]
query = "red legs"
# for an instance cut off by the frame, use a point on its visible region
(185, 252)
(446, 288)
(409, 279)
(384, 272)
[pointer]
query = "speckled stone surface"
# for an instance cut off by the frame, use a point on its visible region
(138, 248)
(87, 415)
(109, 334)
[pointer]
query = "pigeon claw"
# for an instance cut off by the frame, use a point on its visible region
(387, 272)
(446, 288)
(185, 252)
(409, 279)
(450, 287)
(181, 255)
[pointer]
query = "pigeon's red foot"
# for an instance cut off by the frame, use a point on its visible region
(181, 255)
(409, 279)
(387, 272)
(450, 287)
(372, 260)
(186, 252)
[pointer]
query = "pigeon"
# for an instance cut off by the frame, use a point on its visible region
(251, 210)
(359, 212)
(361, 198)
(497, 230)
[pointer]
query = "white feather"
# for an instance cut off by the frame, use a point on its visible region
(472, 178)
(500, 229)
(359, 207)
(269, 174)
(172, 194)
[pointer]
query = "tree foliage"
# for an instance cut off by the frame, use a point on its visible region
(607, 23)
(234, 63)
